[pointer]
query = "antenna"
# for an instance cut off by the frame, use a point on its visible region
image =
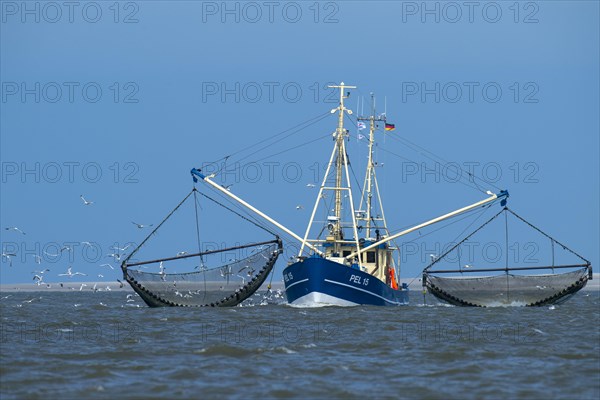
(385, 105)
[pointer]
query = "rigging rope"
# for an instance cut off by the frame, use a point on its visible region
(124, 263)
(548, 236)
(462, 241)
(415, 147)
(317, 118)
(468, 214)
(236, 213)
(306, 124)
(198, 227)
(445, 162)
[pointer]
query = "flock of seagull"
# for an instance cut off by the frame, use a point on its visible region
(38, 275)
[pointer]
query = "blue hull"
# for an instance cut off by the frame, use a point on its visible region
(317, 281)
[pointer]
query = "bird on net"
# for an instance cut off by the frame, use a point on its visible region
(510, 285)
(203, 278)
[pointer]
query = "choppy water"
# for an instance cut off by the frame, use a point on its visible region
(98, 345)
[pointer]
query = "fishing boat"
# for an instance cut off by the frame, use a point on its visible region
(350, 261)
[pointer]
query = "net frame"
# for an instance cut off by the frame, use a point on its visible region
(195, 288)
(508, 289)
(523, 294)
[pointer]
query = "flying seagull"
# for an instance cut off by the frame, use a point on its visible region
(141, 226)
(71, 274)
(8, 256)
(162, 272)
(42, 272)
(115, 256)
(120, 249)
(85, 202)
(14, 228)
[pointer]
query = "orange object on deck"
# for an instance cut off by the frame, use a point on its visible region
(393, 282)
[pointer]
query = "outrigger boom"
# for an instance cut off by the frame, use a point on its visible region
(493, 197)
(197, 173)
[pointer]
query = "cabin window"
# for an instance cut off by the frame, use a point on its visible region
(346, 253)
(370, 256)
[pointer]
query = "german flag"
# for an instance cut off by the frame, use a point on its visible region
(389, 127)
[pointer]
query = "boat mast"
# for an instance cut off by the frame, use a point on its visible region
(370, 177)
(340, 160)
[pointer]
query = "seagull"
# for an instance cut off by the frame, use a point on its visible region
(14, 228)
(38, 259)
(162, 271)
(181, 253)
(310, 185)
(50, 254)
(81, 287)
(243, 268)
(107, 265)
(243, 279)
(489, 192)
(228, 187)
(115, 256)
(100, 276)
(41, 272)
(141, 226)
(299, 207)
(71, 274)
(433, 257)
(226, 272)
(468, 266)
(120, 249)
(8, 256)
(39, 279)
(85, 202)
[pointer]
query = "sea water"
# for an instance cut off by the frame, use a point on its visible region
(85, 344)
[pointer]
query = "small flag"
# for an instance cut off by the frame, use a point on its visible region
(389, 127)
(360, 137)
(361, 125)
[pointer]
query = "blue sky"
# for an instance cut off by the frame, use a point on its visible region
(118, 103)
